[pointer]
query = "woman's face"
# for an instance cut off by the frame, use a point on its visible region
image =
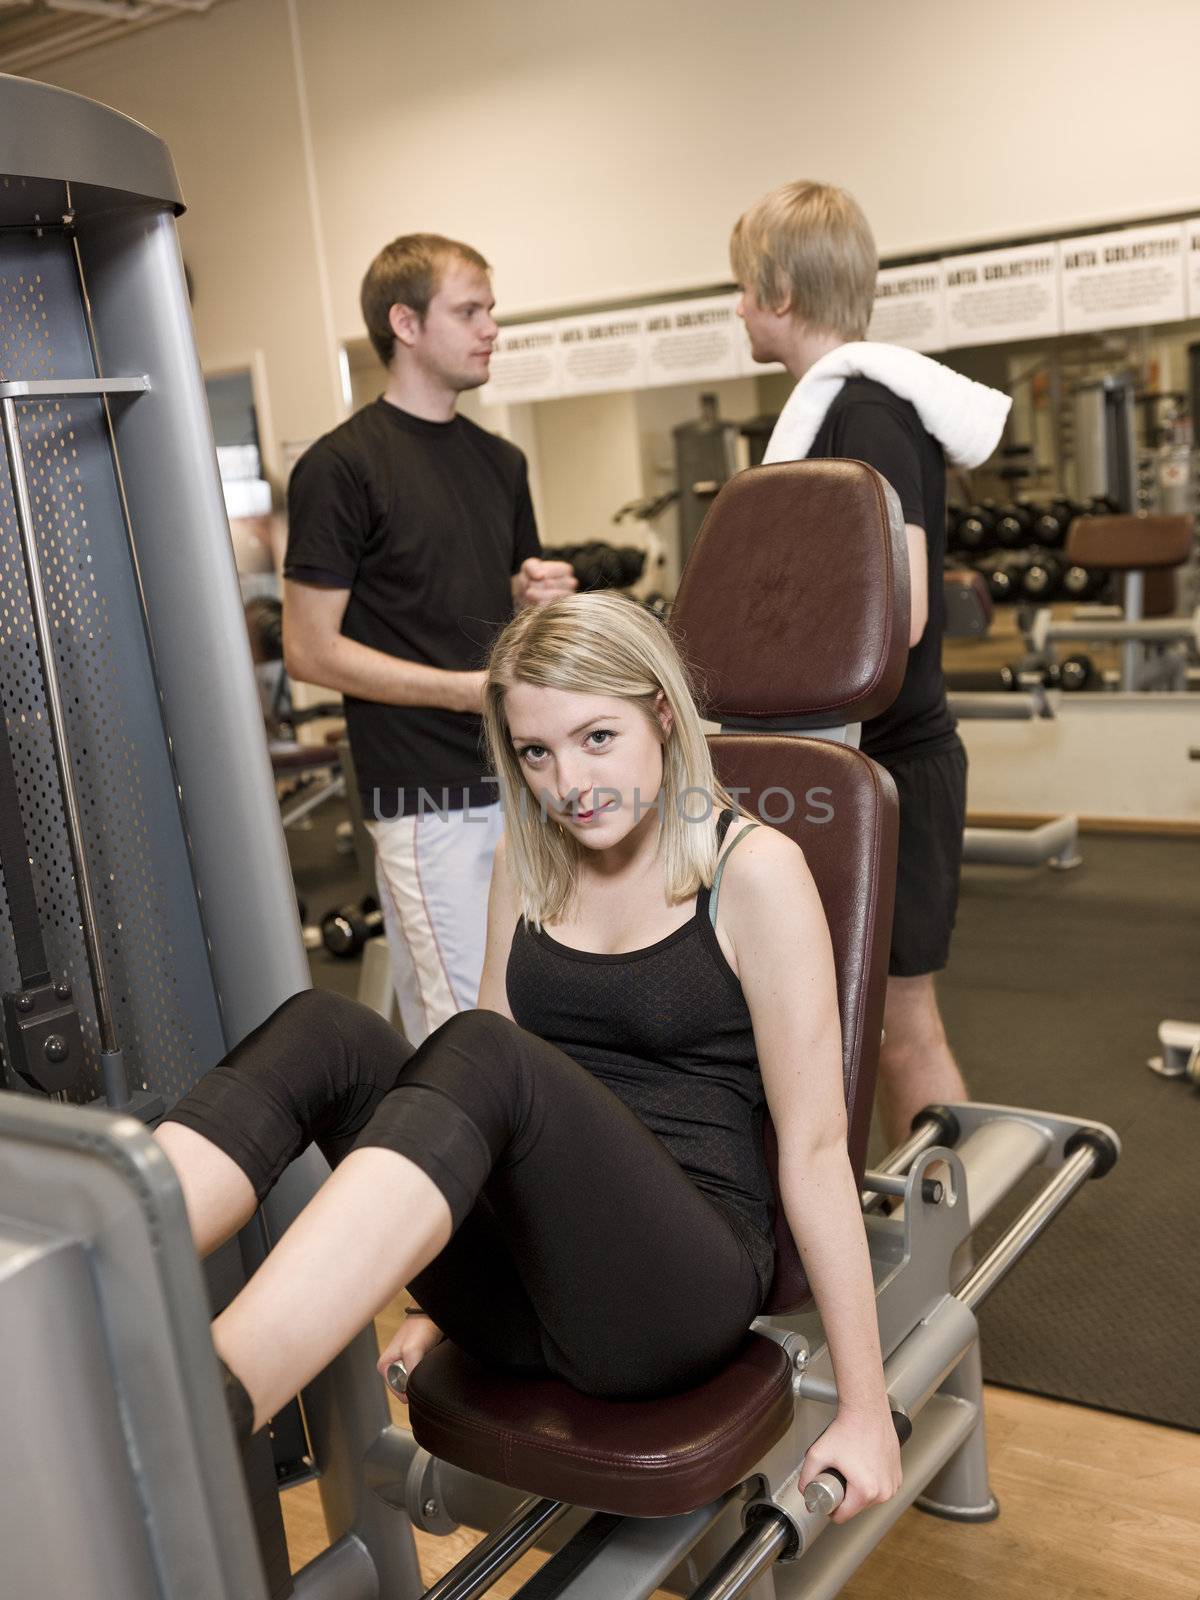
(593, 762)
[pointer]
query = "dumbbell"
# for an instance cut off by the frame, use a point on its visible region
(346, 930)
(633, 564)
(1098, 584)
(1043, 577)
(1076, 673)
(976, 530)
(1067, 510)
(1013, 525)
(1002, 571)
(1049, 527)
(1010, 676)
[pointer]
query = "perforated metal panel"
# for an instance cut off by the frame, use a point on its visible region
(164, 1004)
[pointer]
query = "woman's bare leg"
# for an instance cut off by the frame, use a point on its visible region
(369, 1229)
(217, 1193)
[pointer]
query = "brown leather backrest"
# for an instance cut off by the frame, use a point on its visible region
(1130, 543)
(794, 601)
(794, 609)
(841, 810)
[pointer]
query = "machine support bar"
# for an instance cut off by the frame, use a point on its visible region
(480, 1568)
(884, 1183)
(1032, 1222)
(58, 729)
(759, 1547)
(1135, 605)
(66, 388)
(928, 1133)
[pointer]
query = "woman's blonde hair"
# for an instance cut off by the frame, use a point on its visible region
(600, 644)
(809, 244)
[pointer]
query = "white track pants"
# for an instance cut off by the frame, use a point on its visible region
(433, 873)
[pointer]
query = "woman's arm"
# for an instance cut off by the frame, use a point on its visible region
(502, 917)
(776, 926)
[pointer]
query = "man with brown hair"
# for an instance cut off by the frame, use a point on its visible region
(805, 261)
(411, 538)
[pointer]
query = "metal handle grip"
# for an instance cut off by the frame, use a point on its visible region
(828, 1489)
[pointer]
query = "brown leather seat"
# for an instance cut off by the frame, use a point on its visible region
(640, 1458)
(1130, 543)
(793, 607)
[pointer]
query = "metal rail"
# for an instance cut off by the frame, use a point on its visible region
(480, 1568)
(58, 727)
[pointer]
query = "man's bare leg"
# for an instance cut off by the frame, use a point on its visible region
(916, 1065)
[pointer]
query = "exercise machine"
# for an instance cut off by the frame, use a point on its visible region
(113, 1395)
(1179, 1042)
(1154, 650)
(1054, 842)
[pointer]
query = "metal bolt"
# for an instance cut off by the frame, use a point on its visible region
(430, 1508)
(800, 1360)
(932, 1192)
(55, 1047)
(24, 1002)
(62, 991)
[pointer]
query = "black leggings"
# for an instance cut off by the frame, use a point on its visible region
(580, 1247)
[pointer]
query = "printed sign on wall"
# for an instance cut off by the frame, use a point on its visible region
(688, 339)
(1000, 295)
(524, 364)
(601, 353)
(908, 307)
(1123, 280)
(1191, 265)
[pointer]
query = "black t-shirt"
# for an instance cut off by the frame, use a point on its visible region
(424, 523)
(867, 422)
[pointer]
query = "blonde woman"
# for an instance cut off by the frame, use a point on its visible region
(570, 1179)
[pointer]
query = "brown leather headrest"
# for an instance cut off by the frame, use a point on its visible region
(793, 607)
(1130, 543)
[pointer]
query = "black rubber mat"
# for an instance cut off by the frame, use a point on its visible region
(1056, 986)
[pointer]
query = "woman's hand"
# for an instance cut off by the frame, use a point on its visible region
(864, 1449)
(414, 1338)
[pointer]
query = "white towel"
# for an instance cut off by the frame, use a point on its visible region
(966, 418)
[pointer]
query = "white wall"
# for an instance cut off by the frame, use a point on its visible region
(221, 90)
(597, 151)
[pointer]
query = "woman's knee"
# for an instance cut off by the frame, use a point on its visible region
(480, 1061)
(485, 1034)
(338, 1045)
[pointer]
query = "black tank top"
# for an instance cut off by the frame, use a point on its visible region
(667, 1029)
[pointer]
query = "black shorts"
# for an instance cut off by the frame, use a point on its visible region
(933, 807)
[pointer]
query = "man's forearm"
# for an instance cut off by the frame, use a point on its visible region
(356, 669)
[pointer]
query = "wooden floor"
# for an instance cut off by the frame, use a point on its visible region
(1093, 1507)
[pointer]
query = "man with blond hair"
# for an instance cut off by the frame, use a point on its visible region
(805, 261)
(411, 538)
